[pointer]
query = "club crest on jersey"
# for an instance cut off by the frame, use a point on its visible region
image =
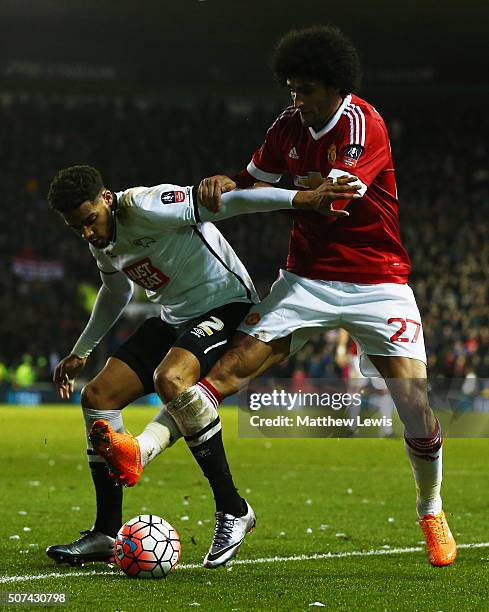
(144, 274)
(172, 197)
(144, 242)
(352, 155)
(332, 154)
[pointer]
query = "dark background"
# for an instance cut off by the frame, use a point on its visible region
(215, 46)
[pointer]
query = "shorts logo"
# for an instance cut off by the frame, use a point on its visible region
(252, 319)
(208, 327)
(144, 274)
(172, 197)
(332, 154)
(352, 155)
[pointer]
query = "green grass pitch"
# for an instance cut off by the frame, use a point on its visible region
(345, 497)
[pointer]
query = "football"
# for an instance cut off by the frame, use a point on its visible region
(147, 546)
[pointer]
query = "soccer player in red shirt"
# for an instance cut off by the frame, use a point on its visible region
(348, 272)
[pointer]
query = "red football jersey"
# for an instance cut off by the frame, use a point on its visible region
(364, 247)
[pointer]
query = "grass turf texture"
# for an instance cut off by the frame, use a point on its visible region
(306, 493)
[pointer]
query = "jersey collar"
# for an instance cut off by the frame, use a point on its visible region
(115, 202)
(332, 122)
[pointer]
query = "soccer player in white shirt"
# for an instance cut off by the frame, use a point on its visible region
(158, 238)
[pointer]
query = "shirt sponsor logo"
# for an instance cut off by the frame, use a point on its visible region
(352, 155)
(172, 197)
(144, 274)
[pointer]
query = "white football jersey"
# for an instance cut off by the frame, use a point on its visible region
(163, 243)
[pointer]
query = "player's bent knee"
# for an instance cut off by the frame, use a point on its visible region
(94, 397)
(169, 384)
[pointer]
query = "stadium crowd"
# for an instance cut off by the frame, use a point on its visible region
(48, 277)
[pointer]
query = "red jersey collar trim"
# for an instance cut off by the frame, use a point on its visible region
(333, 121)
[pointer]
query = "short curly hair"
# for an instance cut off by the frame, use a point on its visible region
(322, 53)
(74, 185)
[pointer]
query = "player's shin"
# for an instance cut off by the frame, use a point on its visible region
(158, 435)
(425, 455)
(107, 490)
(195, 412)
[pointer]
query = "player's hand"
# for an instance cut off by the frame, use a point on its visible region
(65, 373)
(321, 199)
(211, 188)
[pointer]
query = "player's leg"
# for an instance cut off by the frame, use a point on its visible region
(385, 322)
(196, 409)
(103, 398)
(198, 348)
(126, 455)
(202, 427)
(112, 389)
(245, 360)
(406, 380)
(407, 383)
(198, 419)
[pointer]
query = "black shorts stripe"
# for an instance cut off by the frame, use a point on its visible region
(202, 431)
(235, 274)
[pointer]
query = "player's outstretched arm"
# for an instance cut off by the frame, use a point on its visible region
(266, 199)
(112, 298)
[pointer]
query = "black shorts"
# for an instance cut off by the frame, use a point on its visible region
(207, 337)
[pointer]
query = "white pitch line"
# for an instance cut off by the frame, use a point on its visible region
(187, 566)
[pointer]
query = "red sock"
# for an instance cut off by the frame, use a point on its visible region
(210, 391)
(427, 446)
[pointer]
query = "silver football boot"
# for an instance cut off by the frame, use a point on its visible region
(229, 533)
(92, 546)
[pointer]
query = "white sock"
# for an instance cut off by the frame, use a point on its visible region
(154, 439)
(427, 471)
(114, 417)
(158, 435)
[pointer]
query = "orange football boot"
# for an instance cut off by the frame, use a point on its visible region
(440, 544)
(120, 451)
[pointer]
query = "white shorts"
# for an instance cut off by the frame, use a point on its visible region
(383, 319)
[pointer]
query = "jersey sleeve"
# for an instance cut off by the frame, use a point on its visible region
(364, 149)
(172, 206)
(247, 201)
(268, 164)
(113, 296)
